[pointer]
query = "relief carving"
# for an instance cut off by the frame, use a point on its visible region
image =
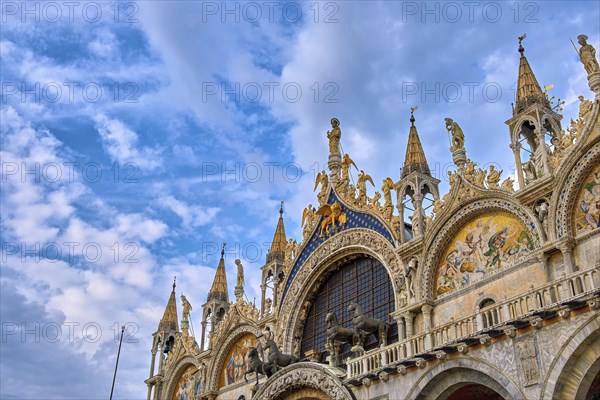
(529, 362)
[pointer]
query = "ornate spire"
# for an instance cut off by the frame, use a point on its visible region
(528, 88)
(415, 160)
(277, 251)
(219, 290)
(169, 320)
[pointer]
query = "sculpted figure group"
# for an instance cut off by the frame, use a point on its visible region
(363, 326)
(275, 359)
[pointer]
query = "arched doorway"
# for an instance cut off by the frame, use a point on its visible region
(470, 391)
(465, 379)
(305, 381)
(306, 394)
(580, 375)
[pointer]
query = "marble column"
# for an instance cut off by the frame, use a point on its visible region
(516, 148)
(427, 324)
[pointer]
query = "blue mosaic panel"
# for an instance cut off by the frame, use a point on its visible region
(354, 220)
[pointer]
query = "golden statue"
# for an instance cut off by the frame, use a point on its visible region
(374, 204)
(334, 136)
(323, 180)
(361, 185)
(493, 178)
(346, 162)
(388, 206)
(508, 184)
(458, 137)
(387, 187)
(332, 213)
(479, 178)
(587, 55)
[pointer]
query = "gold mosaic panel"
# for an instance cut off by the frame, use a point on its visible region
(587, 206)
(486, 243)
(189, 384)
(236, 362)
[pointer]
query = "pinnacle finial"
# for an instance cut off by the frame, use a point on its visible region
(223, 249)
(412, 115)
(174, 282)
(521, 48)
(281, 210)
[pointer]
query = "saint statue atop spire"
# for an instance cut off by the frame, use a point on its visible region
(239, 287)
(335, 152)
(334, 136)
(587, 55)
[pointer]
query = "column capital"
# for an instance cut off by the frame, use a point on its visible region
(516, 146)
(426, 309)
(408, 316)
(566, 245)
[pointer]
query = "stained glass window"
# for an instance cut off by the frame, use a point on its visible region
(364, 280)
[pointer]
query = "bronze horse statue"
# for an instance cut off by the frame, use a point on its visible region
(368, 325)
(256, 365)
(337, 332)
(278, 359)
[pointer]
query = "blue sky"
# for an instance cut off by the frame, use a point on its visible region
(136, 137)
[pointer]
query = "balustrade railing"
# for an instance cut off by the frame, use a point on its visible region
(545, 297)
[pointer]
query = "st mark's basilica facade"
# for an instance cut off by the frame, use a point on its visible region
(490, 291)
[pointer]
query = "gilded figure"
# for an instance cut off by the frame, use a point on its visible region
(334, 136)
(323, 180)
(333, 214)
(361, 184)
(493, 177)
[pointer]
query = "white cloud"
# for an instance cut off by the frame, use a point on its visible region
(104, 43)
(121, 143)
(191, 216)
(104, 268)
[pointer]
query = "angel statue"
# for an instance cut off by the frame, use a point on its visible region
(342, 186)
(388, 206)
(308, 217)
(187, 307)
(458, 137)
(332, 213)
(361, 185)
(334, 136)
(346, 162)
(323, 180)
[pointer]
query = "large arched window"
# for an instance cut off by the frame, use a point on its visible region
(364, 280)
